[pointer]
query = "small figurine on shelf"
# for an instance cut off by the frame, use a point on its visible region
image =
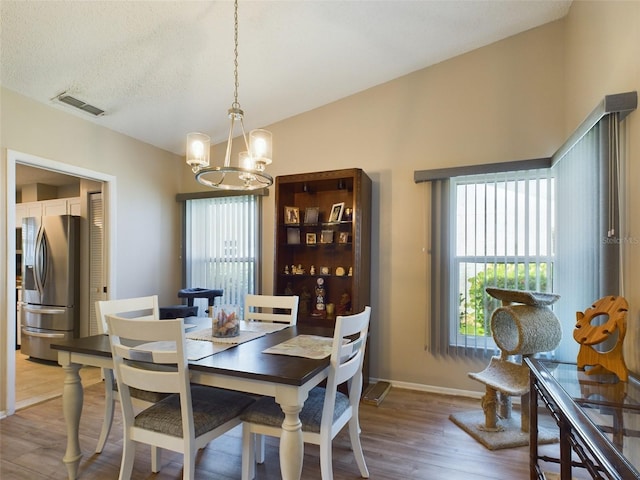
(344, 307)
(294, 269)
(351, 271)
(286, 269)
(312, 270)
(320, 298)
(300, 270)
(304, 305)
(348, 215)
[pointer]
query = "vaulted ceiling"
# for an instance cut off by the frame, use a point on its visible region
(161, 69)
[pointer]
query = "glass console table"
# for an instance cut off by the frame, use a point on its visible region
(598, 418)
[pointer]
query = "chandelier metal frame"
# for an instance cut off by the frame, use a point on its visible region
(252, 175)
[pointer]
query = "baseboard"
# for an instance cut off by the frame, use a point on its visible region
(430, 388)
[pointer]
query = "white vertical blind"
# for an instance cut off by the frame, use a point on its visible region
(222, 245)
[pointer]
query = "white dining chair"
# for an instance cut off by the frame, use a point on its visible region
(190, 417)
(142, 308)
(326, 411)
(271, 308)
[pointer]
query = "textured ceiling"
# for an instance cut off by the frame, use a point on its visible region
(161, 69)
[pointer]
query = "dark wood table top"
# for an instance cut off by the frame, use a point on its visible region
(245, 360)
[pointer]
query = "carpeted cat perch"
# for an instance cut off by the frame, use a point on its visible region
(524, 325)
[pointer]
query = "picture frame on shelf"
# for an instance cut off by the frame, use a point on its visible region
(336, 212)
(293, 236)
(326, 236)
(311, 215)
(311, 238)
(291, 215)
(343, 237)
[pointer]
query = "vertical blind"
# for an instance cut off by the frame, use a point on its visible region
(588, 254)
(221, 245)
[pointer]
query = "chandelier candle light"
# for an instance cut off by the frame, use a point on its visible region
(250, 173)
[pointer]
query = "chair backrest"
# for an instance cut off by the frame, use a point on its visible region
(158, 362)
(142, 308)
(271, 308)
(347, 358)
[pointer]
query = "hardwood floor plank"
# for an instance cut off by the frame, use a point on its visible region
(408, 436)
(41, 380)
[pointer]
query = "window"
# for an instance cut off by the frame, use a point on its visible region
(549, 224)
(222, 245)
(501, 235)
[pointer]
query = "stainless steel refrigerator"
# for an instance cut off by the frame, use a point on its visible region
(50, 283)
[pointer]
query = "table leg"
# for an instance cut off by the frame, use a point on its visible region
(291, 443)
(72, 398)
(533, 428)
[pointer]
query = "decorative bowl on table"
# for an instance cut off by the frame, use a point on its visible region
(225, 322)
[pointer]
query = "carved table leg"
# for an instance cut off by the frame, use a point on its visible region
(72, 398)
(291, 443)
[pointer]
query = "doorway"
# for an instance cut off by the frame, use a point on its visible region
(108, 199)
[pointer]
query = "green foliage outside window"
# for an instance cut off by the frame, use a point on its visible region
(475, 311)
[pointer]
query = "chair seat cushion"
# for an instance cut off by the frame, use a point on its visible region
(212, 407)
(151, 397)
(267, 412)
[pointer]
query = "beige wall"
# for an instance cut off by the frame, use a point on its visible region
(503, 102)
(147, 248)
(147, 217)
(603, 52)
(516, 99)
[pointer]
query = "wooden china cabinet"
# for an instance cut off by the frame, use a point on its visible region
(323, 243)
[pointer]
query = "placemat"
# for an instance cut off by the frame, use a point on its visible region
(307, 346)
(195, 350)
(207, 335)
(266, 327)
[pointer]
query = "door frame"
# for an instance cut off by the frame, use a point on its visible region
(109, 199)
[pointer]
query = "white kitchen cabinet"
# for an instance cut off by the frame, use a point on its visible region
(21, 212)
(57, 206)
(73, 206)
(54, 207)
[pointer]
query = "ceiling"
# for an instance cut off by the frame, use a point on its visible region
(161, 69)
(26, 175)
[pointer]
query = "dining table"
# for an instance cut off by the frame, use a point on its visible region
(244, 367)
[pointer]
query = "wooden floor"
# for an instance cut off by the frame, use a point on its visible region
(408, 436)
(40, 380)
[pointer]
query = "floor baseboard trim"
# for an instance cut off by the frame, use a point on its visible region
(430, 388)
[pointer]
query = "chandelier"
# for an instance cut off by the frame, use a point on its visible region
(249, 174)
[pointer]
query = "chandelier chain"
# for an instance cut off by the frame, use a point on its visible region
(250, 174)
(236, 104)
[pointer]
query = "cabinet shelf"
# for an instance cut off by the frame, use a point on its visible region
(316, 225)
(308, 275)
(350, 247)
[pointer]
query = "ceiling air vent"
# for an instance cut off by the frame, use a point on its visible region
(79, 104)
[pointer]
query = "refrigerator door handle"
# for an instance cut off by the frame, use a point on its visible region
(40, 266)
(29, 333)
(51, 311)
